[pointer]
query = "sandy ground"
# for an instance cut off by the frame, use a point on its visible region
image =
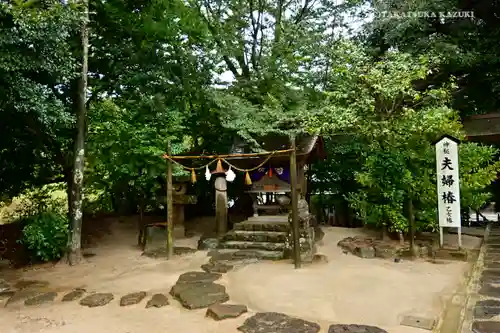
(345, 290)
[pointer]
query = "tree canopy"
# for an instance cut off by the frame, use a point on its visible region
(195, 74)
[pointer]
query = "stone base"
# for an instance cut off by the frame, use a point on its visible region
(156, 237)
(451, 254)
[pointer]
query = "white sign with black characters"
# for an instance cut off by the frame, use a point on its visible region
(448, 186)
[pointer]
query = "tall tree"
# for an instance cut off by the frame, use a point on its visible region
(75, 255)
(36, 63)
(378, 103)
(466, 40)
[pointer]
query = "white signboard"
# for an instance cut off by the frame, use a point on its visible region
(448, 186)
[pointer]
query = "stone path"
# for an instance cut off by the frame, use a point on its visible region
(198, 290)
(487, 310)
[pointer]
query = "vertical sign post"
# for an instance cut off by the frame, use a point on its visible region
(448, 186)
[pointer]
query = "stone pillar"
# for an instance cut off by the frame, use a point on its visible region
(221, 205)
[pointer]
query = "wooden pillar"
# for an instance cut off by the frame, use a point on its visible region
(295, 201)
(411, 219)
(170, 208)
(221, 205)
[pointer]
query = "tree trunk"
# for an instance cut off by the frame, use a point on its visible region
(75, 236)
(68, 176)
(170, 207)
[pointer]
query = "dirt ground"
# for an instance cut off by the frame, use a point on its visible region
(347, 289)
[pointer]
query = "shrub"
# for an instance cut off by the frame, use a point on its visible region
(45, 234)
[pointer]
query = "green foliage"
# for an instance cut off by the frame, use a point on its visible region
(467, 45)
(35, 64)
(396, 124)
(45, 234)
(31, 202)
(43, 214)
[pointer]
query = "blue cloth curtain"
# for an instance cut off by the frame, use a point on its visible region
(283, 173)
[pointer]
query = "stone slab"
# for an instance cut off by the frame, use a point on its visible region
(451, 254)
(226, 311)
(157, 301)
(201, 287)
(30, 284)
(273, 322)
(488, 290)
(418, 322)
(217, 267)
(198, 277)
(21, 296)
(489, 303)
(486, 327)
(492, 265)
(132, 298)
(481, 312)
(95, 300)
(194, 299)
(73, 295)
(355, 329)
(41, 299)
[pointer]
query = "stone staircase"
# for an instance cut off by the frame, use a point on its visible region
(262, 236)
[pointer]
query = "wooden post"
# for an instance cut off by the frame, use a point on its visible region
(411, 219)
(221, 205)
(295, 201)
(141, 237)
(170, 208)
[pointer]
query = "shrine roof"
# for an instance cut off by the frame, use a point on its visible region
(306, 145)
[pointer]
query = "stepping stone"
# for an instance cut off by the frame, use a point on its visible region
(486, 327)
(41, 299)
(355, 329)
(73, 295)
(418, 322)
(273, 322)
(133, 298)
(207, 287)
(489, 303)
(99, 299)
(183, 250)
(30, 284)
(157, 301)
(217, 267)
(225, 311)
(21, 296)
(230, 259)
(199, 296)
(488, 290)
(481, 312)
(198, 277)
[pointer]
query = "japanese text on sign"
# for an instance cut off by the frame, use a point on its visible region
(448, 183)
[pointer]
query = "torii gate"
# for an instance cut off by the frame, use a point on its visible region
(221, 186)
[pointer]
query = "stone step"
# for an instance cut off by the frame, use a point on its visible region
(269, 219)
(260, 226)
(248, 254)
(266, 246)
(256, 236)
